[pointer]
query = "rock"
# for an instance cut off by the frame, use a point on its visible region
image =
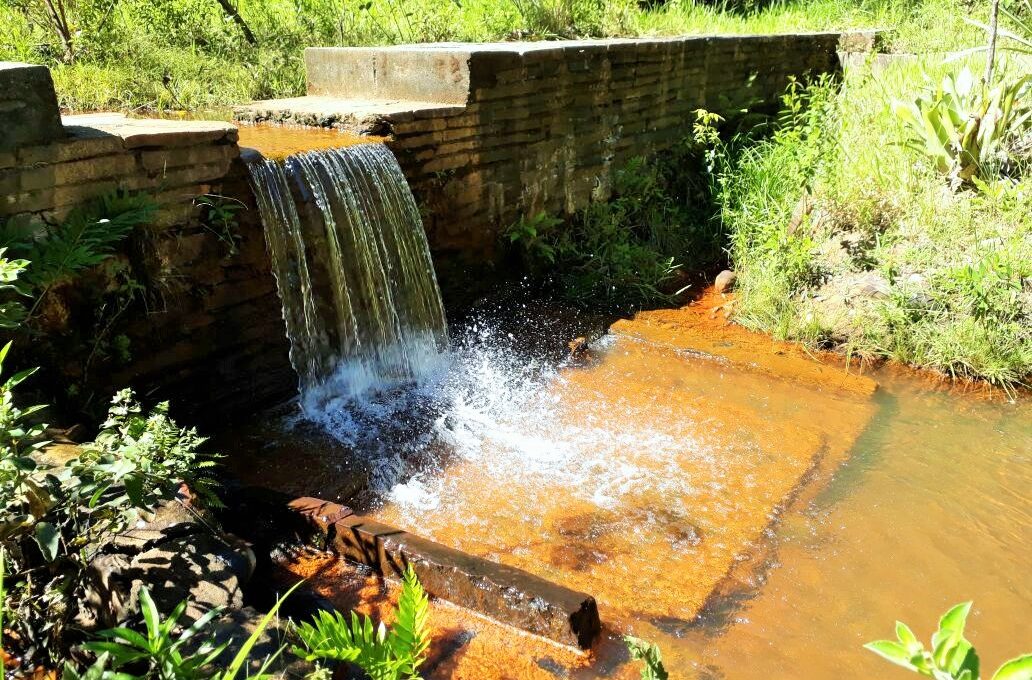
(871, 285)
(206, 569)
(725, 281)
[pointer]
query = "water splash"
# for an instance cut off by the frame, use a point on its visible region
(361, 303)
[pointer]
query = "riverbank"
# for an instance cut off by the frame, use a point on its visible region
(845, 236)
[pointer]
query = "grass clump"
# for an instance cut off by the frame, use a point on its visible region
(845, 235)
(196, 55)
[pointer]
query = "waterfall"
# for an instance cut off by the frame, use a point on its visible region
(361, 303)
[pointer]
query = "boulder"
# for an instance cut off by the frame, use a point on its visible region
(725, 281)
(177, 557)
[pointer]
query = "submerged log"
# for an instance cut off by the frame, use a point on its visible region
(504, 593)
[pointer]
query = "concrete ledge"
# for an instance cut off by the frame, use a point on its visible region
(359, 116)
(504, 593)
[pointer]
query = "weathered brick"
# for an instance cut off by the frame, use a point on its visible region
(161, 159)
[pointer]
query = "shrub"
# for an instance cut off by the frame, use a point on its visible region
(952, 657)
(966, 128)
(628, 249)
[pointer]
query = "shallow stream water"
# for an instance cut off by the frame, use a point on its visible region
(756, 514)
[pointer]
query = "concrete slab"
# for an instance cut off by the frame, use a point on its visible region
(358, 115)
(144, 132)
(507, 594)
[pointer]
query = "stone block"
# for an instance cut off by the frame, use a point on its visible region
(403, 72)
(28, 106)
(504, 593)
(161, 159)
(78, 172)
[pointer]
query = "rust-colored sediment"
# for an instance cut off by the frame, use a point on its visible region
(703, 326)
(276, 142)
(757, 427)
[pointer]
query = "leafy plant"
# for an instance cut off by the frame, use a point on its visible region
(965, 127)
(220, 219)
(98, 670)
(168, 651)
(85, 238)
(628, 249)
(381, 654)
(12, 312)
(163, 650)
(650, 655)
(951, 657)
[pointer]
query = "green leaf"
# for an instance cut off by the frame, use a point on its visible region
(893, 651)
(151, 618)
(245, 650)
(48, 538)
(1019, 668)
(410, 637)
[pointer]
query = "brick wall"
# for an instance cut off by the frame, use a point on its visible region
(207, 332)
(495, 131)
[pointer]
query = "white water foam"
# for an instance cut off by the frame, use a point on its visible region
(486, 402)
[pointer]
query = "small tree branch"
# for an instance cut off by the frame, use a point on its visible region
(59, 22)
(994, 16)
(230, 10)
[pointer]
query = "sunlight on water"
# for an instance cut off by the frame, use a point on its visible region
(352, 265)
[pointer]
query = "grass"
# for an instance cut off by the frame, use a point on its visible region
(844, 236)
(189, 55)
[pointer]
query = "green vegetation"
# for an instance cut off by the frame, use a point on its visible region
(208, 54)
(969, 130)
(383, 655)
(631, 248)
(649, 655)
(167, 649)
(84, 243)
(170, 650)
(845, 233)
(952, 657)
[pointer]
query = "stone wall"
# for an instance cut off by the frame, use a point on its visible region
(206, 331)
(490, 132)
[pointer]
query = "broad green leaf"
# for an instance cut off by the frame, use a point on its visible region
(49, 539)
(891, 650)
(151, 618)
(1019, 668)
(955, 618)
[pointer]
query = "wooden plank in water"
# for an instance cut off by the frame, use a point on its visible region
(505, 593)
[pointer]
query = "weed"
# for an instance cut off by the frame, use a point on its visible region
(952, 657)
(630, 248)
(649, 654)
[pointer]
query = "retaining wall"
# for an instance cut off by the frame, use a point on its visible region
(206, 330)
(487, 133)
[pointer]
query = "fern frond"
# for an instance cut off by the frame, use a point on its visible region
(86, 237)
(410, 635)
(328, 637)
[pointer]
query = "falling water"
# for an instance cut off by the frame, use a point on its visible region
(352, 264)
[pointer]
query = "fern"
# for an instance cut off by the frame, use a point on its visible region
(410, 636)
(87, 237)
(383, 656)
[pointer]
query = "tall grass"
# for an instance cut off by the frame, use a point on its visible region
(807, 235)
(188, 54)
